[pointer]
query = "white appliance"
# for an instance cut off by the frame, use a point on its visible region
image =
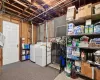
(40, 54)
(32, 51)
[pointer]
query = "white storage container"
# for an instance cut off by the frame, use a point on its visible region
(32, 51)
(40, 55)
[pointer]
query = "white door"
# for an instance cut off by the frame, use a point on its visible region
(10, 49)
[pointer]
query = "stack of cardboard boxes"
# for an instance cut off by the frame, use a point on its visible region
(83, 12)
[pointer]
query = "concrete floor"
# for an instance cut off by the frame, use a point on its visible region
(56, 66)
(63, 76)
(27, 71)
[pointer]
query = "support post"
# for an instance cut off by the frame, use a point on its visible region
(46, 40)
(32, 33)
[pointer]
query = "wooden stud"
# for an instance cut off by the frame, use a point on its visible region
(20, 8)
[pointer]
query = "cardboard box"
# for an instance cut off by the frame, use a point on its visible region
(85, 11)
(88, 9)
(77, 16)
(86, 69)
(81, 12)
(71, 12)
(97, 74)
(97, 8)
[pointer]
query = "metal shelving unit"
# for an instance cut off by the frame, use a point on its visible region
(80, 21)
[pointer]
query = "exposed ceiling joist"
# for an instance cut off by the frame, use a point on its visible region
(11, 9)
(20, 8)
(14, 14)
(25, 5)
(13, 5)
(20, 3)
(15, 11)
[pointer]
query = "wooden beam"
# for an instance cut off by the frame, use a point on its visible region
(29, 13)
(13, 5)
(11, 9)
(19, 8)
(33, 10)
(20, 3)
(14, 11)
(14, 14)
(25, 6)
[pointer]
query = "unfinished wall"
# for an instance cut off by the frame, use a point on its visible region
(34, 34)
(60, 21)
(51, 29)
(41, 31)
(25, 31)
(38, 33)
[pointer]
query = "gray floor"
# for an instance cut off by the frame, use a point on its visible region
(55, 66)
(27, 71)
(63, 76)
